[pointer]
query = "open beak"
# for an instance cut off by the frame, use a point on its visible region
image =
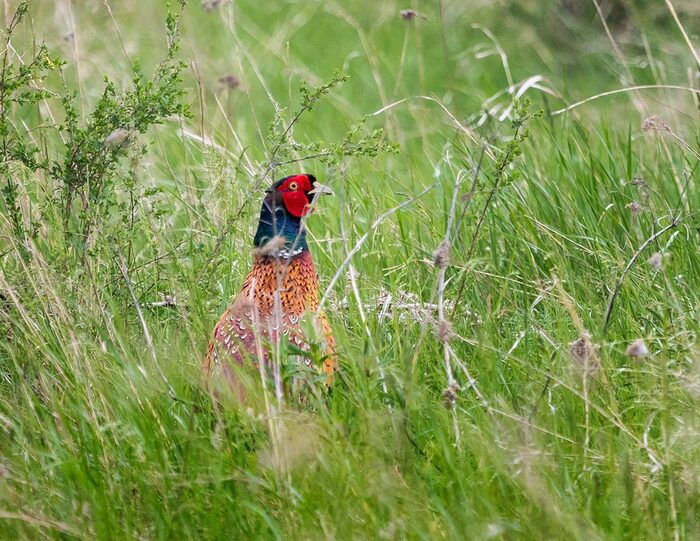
(321, 189)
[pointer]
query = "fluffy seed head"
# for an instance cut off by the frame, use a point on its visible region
(637, 349)
(444, 331)
(210, 5)
(655, 260)
(271, 248)
(117, 138)
(583, 353)
(441, 256)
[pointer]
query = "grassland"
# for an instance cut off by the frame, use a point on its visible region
(566, 247)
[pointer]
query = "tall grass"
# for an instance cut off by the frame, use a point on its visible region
(480, 395)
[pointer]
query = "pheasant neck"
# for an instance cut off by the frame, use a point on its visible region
(283, 225)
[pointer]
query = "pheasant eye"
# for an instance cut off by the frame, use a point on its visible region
(293, 186)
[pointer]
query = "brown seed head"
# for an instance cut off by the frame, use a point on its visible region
(271, 248)
(444, 331)
(655, 122)
(449, 395)
(583, 353)
(441, 256)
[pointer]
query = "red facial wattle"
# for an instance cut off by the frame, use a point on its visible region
(294, 195)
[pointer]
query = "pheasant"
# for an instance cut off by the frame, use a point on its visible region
(278, 294)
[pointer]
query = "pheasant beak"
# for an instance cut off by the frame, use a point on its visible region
(321, 189)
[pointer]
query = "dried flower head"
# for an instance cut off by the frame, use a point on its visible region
(118, 138)
(230, 81)
(271, 248)
(642, 187)
(635, 207)
(210, 5)
(655, 260)
(637, 349)
(583, 353)
(444, 331)
(449, 395)
(408, 14)
(655, 122)
(441, 256)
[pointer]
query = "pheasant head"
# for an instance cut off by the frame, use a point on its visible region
(281, 231)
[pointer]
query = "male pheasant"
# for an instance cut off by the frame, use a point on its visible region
(278, 294)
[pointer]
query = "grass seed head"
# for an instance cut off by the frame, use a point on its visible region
(654, 122)
(408, 14)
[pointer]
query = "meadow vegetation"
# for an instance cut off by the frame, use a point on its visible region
(510, 265)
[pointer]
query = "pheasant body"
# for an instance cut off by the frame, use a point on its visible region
(278, 293)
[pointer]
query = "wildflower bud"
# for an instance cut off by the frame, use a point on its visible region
(117, 138)
(655, 261)
(637, 349)
(441, 256)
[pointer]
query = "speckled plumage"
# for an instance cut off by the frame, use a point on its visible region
(245, 330)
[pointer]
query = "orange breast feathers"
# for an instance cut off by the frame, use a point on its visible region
(252, 321)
